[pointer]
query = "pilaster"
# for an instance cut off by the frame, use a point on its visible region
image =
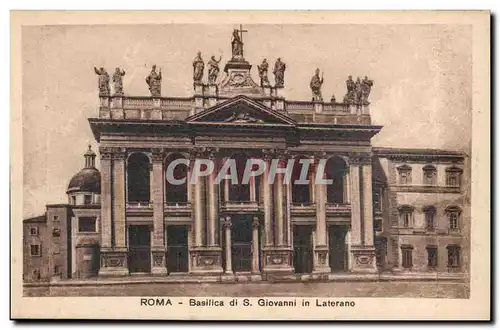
(320, 264)
(158, 250)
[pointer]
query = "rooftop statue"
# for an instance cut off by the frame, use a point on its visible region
(357, 92)
(213, 69)
(366, 87)
(279, 73)
(315, 84)
(350, 95)
(118, 81)
(103, 81)
(198, 67)
(237, 44)
(263, 67)
(154, 82)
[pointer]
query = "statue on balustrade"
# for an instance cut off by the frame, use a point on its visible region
(349, 96)
(154, 82)
(198, 67)
(279, 73)
(358, 91)
(263, 67)
(237, 44)
(103, 81)
(315, 84)
(333, 99)
(213, 69)
(118, 81)
(366, 87)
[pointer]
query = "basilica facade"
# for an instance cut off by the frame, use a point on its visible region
(384, 210)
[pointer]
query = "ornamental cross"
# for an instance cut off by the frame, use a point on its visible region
(241, 32)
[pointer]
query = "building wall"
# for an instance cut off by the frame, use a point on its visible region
(417, 195)
(32, 264)
(59, 227)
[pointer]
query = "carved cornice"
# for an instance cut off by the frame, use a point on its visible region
(158, 154)
(360, 158)
(108, 153)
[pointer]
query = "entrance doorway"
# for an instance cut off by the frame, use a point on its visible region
(302, 249)
(177, 249)
(139, 238)
(241, 243)
(338, 250)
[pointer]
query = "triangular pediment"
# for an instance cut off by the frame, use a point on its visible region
(241, 110)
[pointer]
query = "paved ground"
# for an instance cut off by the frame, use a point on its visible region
(423, 289)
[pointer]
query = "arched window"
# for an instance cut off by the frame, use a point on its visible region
(453, 214)
(404, 174)
(138, 178)
(301, 192)
(430, 216)
(453, 176)
(405, 216)
(336, 170)
(176, 193)
(239, 192)
(430, 175)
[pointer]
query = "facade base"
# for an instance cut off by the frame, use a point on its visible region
(363, 259)
(277, 260)
(113, 262)
(206, 260)
(320, 265)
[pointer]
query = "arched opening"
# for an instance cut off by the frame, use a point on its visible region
(138, 178)
(239, 192)
(301, 191)
(176, 193)
(336, 170)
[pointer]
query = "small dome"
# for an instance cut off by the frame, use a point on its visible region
(87, 180)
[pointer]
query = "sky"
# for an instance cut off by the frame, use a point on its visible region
(421, 95)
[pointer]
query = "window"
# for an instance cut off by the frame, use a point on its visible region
(378, 194)
(87, 225)
(56, 270)
(87, 199)
(406, 216)
(453, 213)
(432, 256)
(34, 231)
(407, 253)
(453, 256)
(36, 274)
(453, 176)
(377, 224)
(430, 214)
(56, 217)
(35, 250)
(404, 174)
(430, 175)
(138, 178)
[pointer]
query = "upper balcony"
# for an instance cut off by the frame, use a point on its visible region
(179, 108)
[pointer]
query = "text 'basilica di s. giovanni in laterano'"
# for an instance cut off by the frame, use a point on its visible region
(399, 212)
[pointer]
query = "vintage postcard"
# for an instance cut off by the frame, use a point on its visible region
(250, 165)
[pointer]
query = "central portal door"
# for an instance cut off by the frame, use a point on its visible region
(338, 251)
(302, 249)
(177, 249)
(241, 243)
(139, 238)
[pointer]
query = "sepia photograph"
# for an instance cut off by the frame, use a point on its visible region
(215, 161)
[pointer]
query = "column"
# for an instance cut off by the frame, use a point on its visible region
(251, 182)
(229, 265)
(268, 203)
(119, 197)
(159, 238)
(279, 212)
(255, 245)
(320, 242)
(362, 249)
(199, 211)
(105, 197)
(367, 204)
(355, 204)
(213, 204)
